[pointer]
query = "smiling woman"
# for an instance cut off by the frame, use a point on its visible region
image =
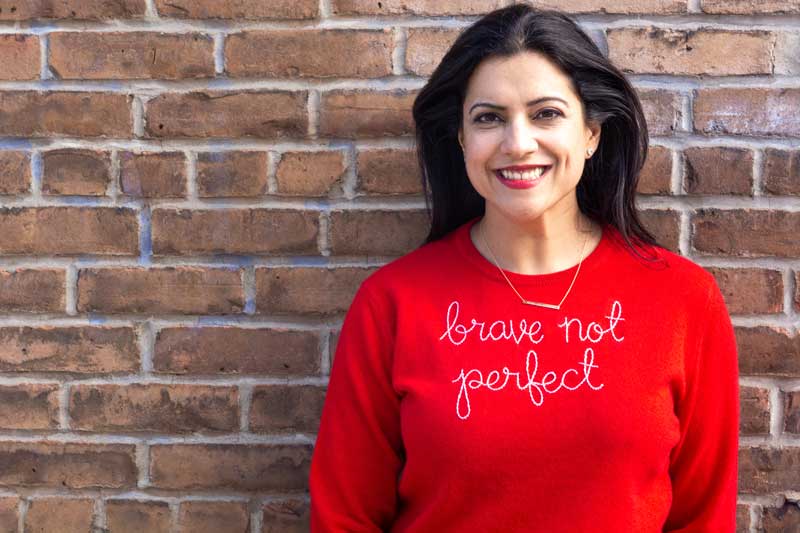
(593, 385)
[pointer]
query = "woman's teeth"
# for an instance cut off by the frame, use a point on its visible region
(528, 175)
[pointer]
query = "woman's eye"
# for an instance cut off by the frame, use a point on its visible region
(552, 113)
(486, 118)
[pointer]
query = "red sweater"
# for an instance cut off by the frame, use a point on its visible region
(453, 407)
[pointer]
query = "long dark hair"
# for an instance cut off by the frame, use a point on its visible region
(607, 186)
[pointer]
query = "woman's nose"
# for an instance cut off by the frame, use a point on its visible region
(520, 139)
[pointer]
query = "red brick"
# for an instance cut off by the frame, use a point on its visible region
(750, 290)
(9, 514)
(656, 176)
(154, 407)
(75, 114)
(660, 7)
(742, 518)
(30, 406)
(153, 175)
(232, 174)
(15, 171)
(32, 291)
(241, 9)
(307, 290)
(230, 466)
(781, 169)
(414, 7)
(286, 516)
(213, 517)
(425, 48)
(263, 114)
(746, 232)
(703, 52)
(286, 408)
(363, 113)
(747, 7)
(797, 290)
(64, 515)
(77, 172)
(21, 56)
(662, 110)
(769, 112)
(664, 224)
(377, 232)
(388, 171)
(178, 290)
(71, 9)
(227, 350)
(764, 469)
(131, 55)
(69, 231)
(754, 419)
(334, 342)
(791, 413)
(234, 231)
(134, 516)
(784, 518)
(718, 170)
(310, 53)
(70, 465)
(767, 351)
(311, 173)
(68, 349)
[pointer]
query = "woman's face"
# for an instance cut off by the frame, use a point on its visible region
(520, 113)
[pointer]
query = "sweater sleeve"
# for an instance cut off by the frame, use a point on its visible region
(703, 465)
(358, 452)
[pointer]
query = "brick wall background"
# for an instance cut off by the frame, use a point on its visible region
(192, 190)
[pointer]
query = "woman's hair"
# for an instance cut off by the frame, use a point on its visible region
(607, 186)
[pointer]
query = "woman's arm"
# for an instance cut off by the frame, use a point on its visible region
(357, 456)
(703, 465)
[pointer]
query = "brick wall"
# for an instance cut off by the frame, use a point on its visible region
(192, 190)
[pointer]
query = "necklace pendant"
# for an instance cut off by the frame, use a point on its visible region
(540, 304)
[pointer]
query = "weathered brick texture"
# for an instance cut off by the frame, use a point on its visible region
(60, 514)
(215, 350)
(131, 55)
(231, 466)
(232, 174)
(268, 115)
(14, 172)
(62, 113)
(310, 54)
(153, 175)
(240, 9)
(21, 55)
(76, 172)
(192, 192)
(133, 516)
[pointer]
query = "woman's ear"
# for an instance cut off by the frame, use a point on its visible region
(594, 135)
(461, 139)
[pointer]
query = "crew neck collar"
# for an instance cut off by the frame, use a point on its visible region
(487, 268)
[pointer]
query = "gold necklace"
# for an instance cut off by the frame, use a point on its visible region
(529, 302)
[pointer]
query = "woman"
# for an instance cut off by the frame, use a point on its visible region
(540, 364)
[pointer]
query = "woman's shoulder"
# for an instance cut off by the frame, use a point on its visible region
(664, 268)
(416, 268)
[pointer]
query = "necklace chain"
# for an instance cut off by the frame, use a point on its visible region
(530, 302)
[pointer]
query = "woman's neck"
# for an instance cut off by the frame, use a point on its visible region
(539, 247)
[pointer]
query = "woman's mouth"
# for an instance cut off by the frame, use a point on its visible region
(526, 179)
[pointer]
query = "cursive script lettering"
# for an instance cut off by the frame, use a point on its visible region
(594, 332)
(458, 333)
(474, 379)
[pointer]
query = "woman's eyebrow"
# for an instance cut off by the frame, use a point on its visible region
(532, 102)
